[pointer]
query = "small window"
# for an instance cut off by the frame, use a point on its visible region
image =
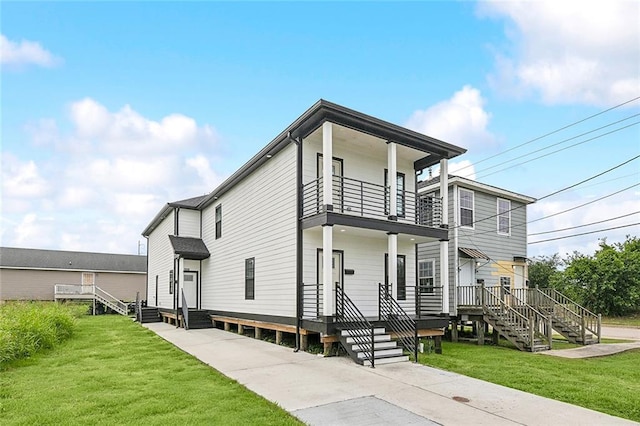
(504, 216)
(170, 282)
(505, 283)
(426, 278)
(466, 208)
(402, 275)
(249, 278)
(400, 193)
(219, 221)
(88, 278)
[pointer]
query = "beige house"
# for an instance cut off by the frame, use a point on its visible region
(31, 274)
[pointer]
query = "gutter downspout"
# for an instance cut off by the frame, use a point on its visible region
(299, 291)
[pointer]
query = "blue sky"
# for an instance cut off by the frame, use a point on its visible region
(109, 110)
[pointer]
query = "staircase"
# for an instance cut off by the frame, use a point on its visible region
(385, 350)
(199, 319)
(90, 292)
(149, 315)
(516, 321)
(110, 301)
(576, 323)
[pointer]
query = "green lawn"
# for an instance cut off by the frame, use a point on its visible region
(629, 321)
(608, 384)
(113, 371)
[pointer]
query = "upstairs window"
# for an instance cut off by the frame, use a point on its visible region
(504, 216)
(249, 278)
(466, 208)
(219, 221)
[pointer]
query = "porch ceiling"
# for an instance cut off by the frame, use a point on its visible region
(356, 232)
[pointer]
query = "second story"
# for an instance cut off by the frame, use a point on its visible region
(483, 216)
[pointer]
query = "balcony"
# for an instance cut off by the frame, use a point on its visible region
(366, 199)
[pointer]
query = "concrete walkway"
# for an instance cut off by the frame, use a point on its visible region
(603, 349)
(336, 391)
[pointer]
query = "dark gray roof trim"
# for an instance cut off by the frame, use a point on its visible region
(189, 248)
(191, 203)
(71, 260)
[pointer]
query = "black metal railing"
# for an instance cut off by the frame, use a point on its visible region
(312, 303)
(185, 311)
(404, 327)
(349, 317)
(428, 299)
(366, 199)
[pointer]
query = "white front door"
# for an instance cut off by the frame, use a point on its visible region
(336, 265)
(190, 288)
(338, 184)
(466, 278)
(519, 282)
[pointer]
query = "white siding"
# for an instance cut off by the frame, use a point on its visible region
(366, 257)
(189, 223)
(258, 220)
(160, 255)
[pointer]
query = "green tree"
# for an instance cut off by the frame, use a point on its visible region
(542, 269)
(607, 282)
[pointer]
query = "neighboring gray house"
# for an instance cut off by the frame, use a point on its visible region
(487, 238)
(32, 274)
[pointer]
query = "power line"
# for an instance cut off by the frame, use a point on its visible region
(559, 143)
(586, 233)
(582, 226)
(553, 132)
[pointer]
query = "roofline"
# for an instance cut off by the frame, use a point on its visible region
(323, 111)
(482, 186)
(31, 268)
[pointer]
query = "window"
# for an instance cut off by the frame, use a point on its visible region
(400, 181)
(504, 216)
(170, 282)
(249, 278)
(88, 278)
(426, 278)
(402, 275)
(219, 221)
(505, 284)
(466, 208)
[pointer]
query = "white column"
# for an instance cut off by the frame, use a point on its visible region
(444, 245)
(328, 298)
(327, 163)
(392, 267)
(392, 176)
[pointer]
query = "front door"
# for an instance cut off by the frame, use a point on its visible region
(467, 278)
(519, 282)
(190, 287)
(338, 182)
(336, 268)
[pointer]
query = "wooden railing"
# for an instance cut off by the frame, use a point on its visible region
(92, 292)
(519, 325)
(366, 199)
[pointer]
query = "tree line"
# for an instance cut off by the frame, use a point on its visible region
(607, 282)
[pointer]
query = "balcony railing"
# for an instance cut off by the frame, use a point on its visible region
(366, 199)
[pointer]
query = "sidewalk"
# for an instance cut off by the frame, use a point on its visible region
(336, 391)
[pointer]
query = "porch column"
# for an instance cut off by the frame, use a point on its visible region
(392, 266)
(327, 166)
(328, 298)
(392, 168)
(444, 244)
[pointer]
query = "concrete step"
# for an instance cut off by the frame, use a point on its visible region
(388, 360)
(377, 347)
(376, 338)
(360, 332)
(383, 353)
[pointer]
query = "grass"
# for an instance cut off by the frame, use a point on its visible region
(607, 384)
(628, 321)
(29, 327)
(113, 371)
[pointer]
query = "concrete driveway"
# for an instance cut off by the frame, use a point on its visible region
(336, 391)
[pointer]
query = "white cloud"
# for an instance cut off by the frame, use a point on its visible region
(25, 53)
(569, 51)
(460, 120)
(97, 186)
(464, 168)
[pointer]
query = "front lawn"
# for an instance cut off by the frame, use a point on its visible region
(113, 371)
(628, 321)
(608, 384)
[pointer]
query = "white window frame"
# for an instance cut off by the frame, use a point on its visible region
(473, 208)
(501, 215)
(433, 276)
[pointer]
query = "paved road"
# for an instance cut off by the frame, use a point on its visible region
(631, 333)
(335, 391)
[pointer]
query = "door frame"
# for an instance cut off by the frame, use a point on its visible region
(319, 157)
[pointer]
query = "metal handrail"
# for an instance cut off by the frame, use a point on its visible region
(428, 299)
(399, 322)
(367, 199)
(185, 310)
(312, 303)
(349, 317)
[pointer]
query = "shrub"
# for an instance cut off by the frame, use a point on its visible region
(28, 327)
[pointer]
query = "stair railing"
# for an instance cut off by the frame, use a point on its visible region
(312, 303)
(494, 304)
(185, 311)
(110, 300)
(405, 328)
(539, 323)
(568, 311)
(349, 317)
